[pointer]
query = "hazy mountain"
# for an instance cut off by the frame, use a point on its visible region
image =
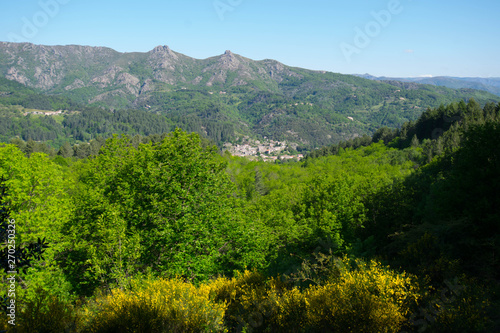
(491, 85)
(227, 96)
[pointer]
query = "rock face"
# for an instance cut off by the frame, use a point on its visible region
(46, 67)
(108, 77)
(108, 74)
(13, 74)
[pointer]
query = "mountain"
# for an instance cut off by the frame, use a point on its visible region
(491, 84)
(107, 75)
(226, 97)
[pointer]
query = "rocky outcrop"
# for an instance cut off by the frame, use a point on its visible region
(65, 68)
(161, 57)
(277, 71)
(75, 85)
(108, 77)
(14, 75)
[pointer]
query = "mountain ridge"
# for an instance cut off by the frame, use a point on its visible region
(489, 84)
(227, 93)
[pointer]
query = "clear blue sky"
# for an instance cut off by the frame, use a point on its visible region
(418, 37)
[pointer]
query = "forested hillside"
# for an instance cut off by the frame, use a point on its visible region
(490, 84)
(225, 98)
(398, 231)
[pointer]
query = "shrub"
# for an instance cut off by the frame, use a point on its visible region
(356, 297)
(361, 297)
(250, 300)
(45, 312)
(155, 306)
(460, 305)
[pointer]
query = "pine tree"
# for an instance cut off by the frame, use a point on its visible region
(30, 147)
(65, 150)
(414, 141)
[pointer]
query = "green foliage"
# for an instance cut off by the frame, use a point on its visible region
(167, 207)
(38, 196)
(92, 122)
(331, 209)
(422, 198)
(14, 93)
(25, 254)
(437, 130)
(467, 199)
(45, 311)
(362, 297)
(355, 297)
(38, 200)
(461, 304)
(322, 203)
(260, 99)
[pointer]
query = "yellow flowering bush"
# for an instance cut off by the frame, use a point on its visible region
(156, 306)
(361, 297)
(250, 299)
(357, 297)
(291, 315)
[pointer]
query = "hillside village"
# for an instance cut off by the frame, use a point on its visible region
(45, 113)
(268, 151)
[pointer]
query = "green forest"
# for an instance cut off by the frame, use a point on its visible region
(161, 232)
(309, 110)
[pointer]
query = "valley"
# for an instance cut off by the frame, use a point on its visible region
(223, 98)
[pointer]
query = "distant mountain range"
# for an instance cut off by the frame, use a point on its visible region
(226, 97)
(491, 84)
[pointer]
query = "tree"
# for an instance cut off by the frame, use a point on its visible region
(30, 147)
(331, 209)
(25, 254)
(260, 187)
(474, 111)
(19, 143)
(37, 195)
(165, 206)
(414, 141)
(38, 200)
(94, 147)
(81, 150)
(65, 150)
(385, 134)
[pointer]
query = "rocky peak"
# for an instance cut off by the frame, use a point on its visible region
(55, 67)
(229, 61)
(163, 57)
(164, 50)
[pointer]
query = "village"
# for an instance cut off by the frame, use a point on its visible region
(268, 151)
(46, 113)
